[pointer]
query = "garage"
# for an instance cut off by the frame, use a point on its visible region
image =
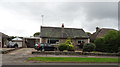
(31, 41)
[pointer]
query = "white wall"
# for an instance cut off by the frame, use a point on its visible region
(19, 44)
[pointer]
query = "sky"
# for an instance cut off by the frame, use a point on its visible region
(24, 18)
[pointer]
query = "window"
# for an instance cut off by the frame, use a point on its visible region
(79, 41)
(53, 41)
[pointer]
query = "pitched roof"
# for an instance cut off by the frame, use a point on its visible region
(59, 32)
(17, 39)
(100, 33)
(3, 35)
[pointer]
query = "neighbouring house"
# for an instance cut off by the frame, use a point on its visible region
(57, 35)
(18, 40)
(100, 32)
(26, 42)
(3, 39)
(29, 42)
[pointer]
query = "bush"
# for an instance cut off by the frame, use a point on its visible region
(62, 47)
(88, 47)
(119, 49)
(70, 48)
(66, 46)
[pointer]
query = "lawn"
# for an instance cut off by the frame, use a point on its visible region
(72, 59)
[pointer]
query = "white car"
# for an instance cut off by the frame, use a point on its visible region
(12, 45)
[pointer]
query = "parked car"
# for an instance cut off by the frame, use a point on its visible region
(45, 47)
(12, 45)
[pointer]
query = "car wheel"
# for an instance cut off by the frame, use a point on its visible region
(55, 49)
(16, 46)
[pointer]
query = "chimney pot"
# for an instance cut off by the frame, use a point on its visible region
(62, 25)
(97, 29)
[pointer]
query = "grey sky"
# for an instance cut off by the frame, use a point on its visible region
(24, 18)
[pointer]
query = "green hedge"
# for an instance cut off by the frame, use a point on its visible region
(89, 47)
(109, 43)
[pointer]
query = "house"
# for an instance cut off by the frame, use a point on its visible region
(29, 42)
(18, 40)
(3, 39)
(57, 35)
(100, 32)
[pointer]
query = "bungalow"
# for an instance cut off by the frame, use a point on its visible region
(56, 35)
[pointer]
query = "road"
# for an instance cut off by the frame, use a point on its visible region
(19, 57)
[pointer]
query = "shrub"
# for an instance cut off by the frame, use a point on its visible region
(88, 47)
(119, 49)
(70, 48)
(66, 46)
(62, 47)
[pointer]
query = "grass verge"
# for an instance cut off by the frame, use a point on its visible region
(72, 59)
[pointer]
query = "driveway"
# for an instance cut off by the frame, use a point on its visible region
(4, 49)
(22, 51)
(16, 57)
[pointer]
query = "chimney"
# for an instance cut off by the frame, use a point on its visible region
(62, 25)
(62, 29)
(97, 29)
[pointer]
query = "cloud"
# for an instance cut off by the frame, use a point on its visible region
(15, 24)
(24, 18)
(102, 10)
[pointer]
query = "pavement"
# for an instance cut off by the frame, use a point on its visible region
(19, 57)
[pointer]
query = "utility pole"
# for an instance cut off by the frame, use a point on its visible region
(42, 19)
(41, 40)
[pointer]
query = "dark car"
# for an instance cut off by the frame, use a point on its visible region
(45, 47)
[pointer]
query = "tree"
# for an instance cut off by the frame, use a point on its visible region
(88, 33)
(100, 46)
(10, 38)
(112, 40)
(109, 43)
(36, 34)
